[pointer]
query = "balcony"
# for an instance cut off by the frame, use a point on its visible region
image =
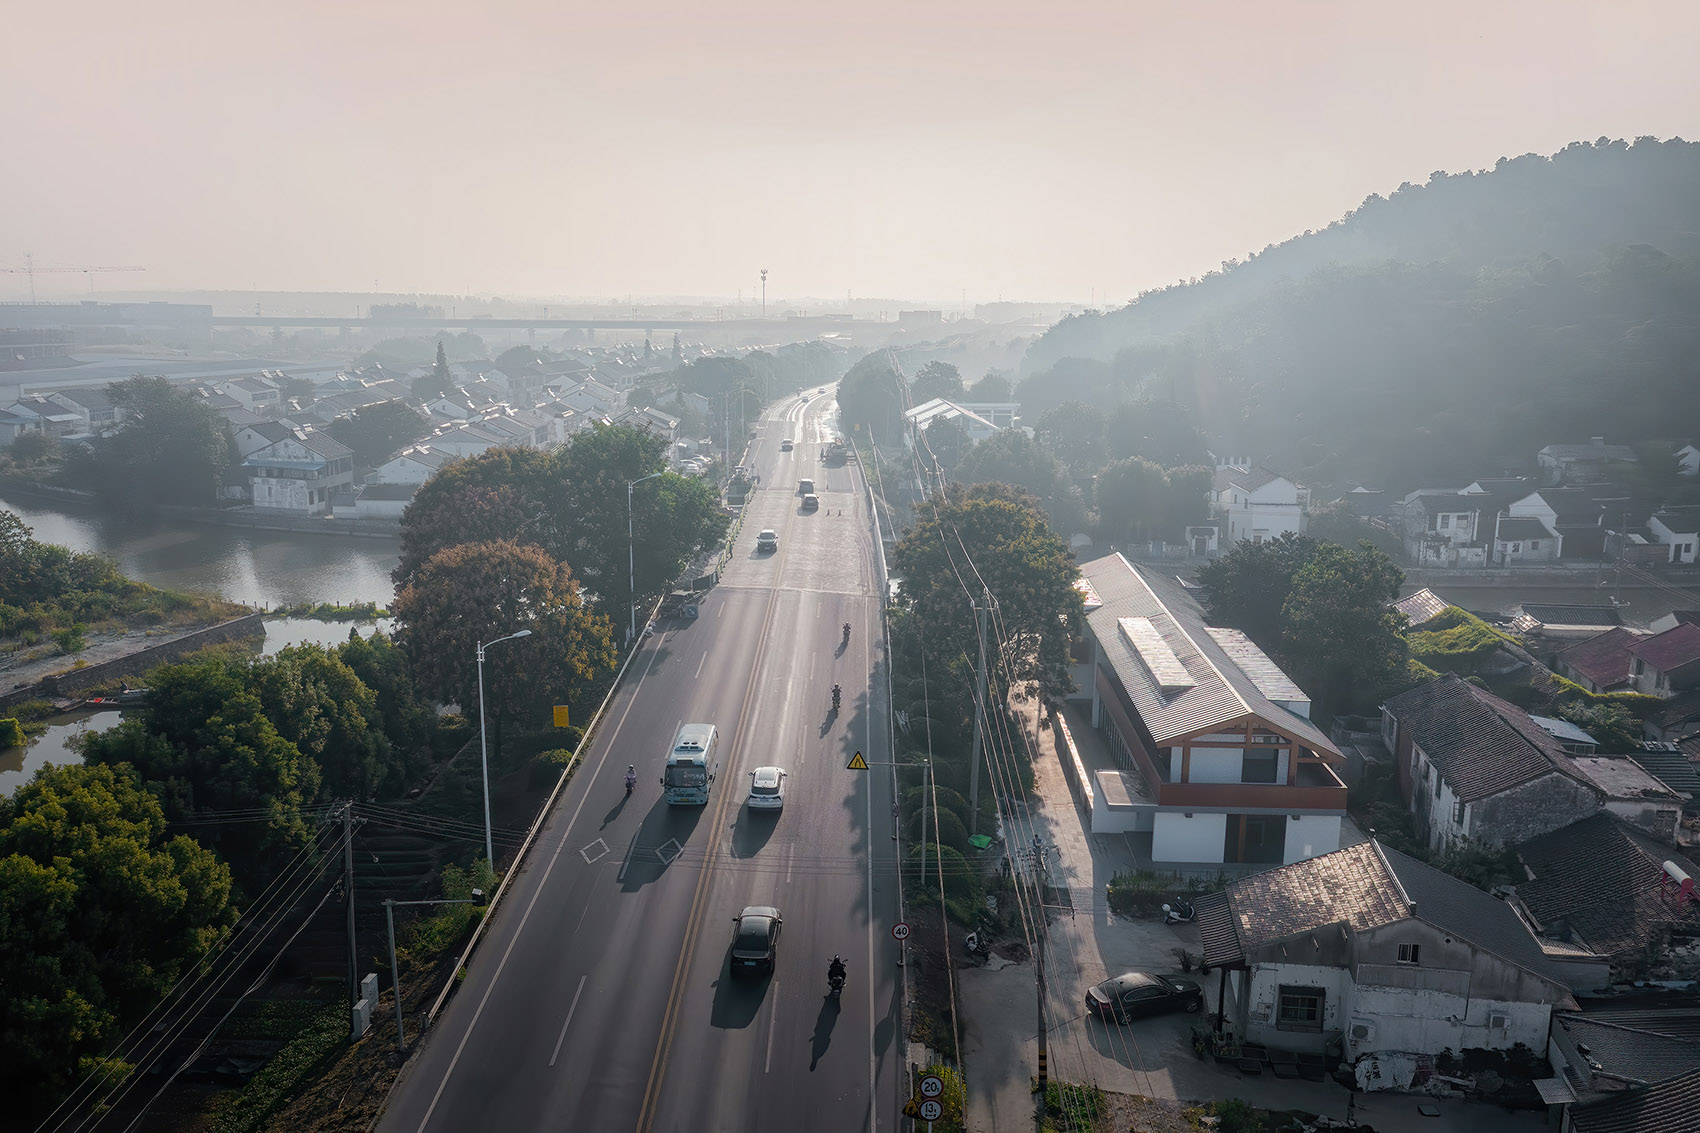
(1318, 788)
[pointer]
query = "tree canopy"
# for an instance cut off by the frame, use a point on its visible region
(995, 535)
(100, 913)
(171, 447)
(378, 431)
(476, 592)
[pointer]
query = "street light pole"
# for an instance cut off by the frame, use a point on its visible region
(483, 746)
(631, 558)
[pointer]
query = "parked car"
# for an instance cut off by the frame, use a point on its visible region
(755, 940)
(767, 539)
(811, 502)
(1133, 994)
(767, 788)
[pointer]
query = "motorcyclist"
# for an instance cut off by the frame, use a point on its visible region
(835, 696)
(835, 970)
(631, 777)
(846, 631)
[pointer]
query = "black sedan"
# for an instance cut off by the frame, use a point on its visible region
(755, 940)
(1132, 994)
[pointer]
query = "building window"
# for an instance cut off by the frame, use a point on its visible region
(1534, 544)
(1445, 522)
(1408, 953)
(1260, 765)
(1458, 814)
(1300, 1009)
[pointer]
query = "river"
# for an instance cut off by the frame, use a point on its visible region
(257, 568)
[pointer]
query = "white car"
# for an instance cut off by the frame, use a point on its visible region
(767, 539)
(767, 788)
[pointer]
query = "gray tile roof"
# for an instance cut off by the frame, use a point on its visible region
(1464, 911)
(1672, 768)
(1602, 880)
(1247, 479)
(1481, 744)
(1636, 1046)
(1420, 607)
(1556, 614)
(1352, 885)
(1604, 658)
(1622, 778)
(1521, 527)
(1215, 919)
(1671, 649)
(1226, 679)
(1668, 1107)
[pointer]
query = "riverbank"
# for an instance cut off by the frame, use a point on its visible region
(118, 656)
(243, 516)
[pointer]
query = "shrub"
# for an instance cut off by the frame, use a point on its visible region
(71, 639)
(11, 733)
(1070, 1108)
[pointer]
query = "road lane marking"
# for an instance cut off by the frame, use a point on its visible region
(592, 858)
(772, 1023)
(569, 1020)
(661, 851)
(790, 856)
(701, 663)
(542, 883)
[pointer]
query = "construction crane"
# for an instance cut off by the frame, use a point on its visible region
(32, 271)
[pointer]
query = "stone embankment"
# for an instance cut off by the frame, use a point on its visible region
(258, 519)
(133, 662)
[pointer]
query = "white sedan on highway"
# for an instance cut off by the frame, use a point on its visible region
(767, 788)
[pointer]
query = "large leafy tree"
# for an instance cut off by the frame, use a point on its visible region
(318, 703)
(1073, 432)
(992, 537)
(872, 397)
(1133, 499)
(477, 592)
(1010, 456)
(205, 745)
(407, 722)
(378, 431)
(1344, 644)
(502, 493)
(1248, 586)
(936, 379)
(172, 447)
(100, 913)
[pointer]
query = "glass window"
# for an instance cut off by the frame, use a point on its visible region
(1409, 953)
(1300, 1009)
(1259, 765)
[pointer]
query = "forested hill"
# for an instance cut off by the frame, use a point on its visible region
(1451, 328)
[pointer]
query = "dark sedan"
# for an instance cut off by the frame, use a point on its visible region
(755, 940)
(1134, 994)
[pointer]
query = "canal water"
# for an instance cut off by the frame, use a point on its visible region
(257, 568)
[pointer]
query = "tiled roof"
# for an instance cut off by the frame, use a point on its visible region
(1215, 920)
(1600, 878)
(1671, 649)
(1421, 606)
(1556, 614)
(1622, 778)
(1463, 910)
(1668, 1107)
(1589, 451)
(1682, 707)
(1481, 744)
(325, 445)
(1248, 479)
(1636, 1046)
(1672, 768)
(1222, 690)
(1352, 885)
(1604, 658)
(383, 491)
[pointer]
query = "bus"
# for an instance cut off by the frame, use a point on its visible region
(690, 765)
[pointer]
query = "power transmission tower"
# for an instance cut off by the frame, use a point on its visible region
(32, 271)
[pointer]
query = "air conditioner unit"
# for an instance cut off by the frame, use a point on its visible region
(1363, 1031)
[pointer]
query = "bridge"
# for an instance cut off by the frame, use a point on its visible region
(808, 324)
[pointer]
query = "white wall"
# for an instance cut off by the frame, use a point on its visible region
(1263, 1003)
(1428, 1021)
(1310, 835)
(1215, 765)
(1177, 838)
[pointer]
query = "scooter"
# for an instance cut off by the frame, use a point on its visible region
(631, 781)
(1178, 913)
(835, 698)
(977, 945)
(837, 985)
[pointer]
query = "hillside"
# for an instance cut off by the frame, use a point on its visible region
(1451, 328)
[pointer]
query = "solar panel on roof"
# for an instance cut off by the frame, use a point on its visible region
(1159, 660)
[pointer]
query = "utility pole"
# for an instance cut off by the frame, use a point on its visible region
(348, 869)
(764, 293)
(980, 612)
(1040, 927)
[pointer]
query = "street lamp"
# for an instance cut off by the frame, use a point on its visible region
(483, 747)
(631, 557)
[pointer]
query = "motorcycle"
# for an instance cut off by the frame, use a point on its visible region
(835, 698)
(835, 980)
(1178, 913)
(631, 781)
(847, 633)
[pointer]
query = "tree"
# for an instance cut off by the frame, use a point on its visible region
(871, 396)
(378, 432)
(100, 913)
(407, 722)
(318, 703)
(936, 379)
(1133, 500)
(35, 448)
(439, 382)
(502, 493)
(1248, 587)
(947, 439)
(172, 447)
(1010, 456)
(994, 533)
(1344, 644)
(477, 592)
(1073, 432)
(204, 743)
(993, 387)
(1609, 724)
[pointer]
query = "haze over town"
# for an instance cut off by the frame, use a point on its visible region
(945, 151)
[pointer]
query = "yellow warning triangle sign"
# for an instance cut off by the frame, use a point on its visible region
(857, 763)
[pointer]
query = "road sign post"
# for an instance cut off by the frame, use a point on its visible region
(900, 933)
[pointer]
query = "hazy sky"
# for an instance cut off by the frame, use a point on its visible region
(919, 149)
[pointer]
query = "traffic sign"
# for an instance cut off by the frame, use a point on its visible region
(857, 763)
(560, 715)
(931, 1110)
(900, 931)
(932, 1086)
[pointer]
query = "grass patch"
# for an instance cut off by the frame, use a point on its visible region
(1455, 641)
(317, 1042)
(1070, 1108)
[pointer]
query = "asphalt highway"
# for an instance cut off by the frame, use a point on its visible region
(601, 997)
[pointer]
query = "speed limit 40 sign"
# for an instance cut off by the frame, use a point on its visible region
(900, 931)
